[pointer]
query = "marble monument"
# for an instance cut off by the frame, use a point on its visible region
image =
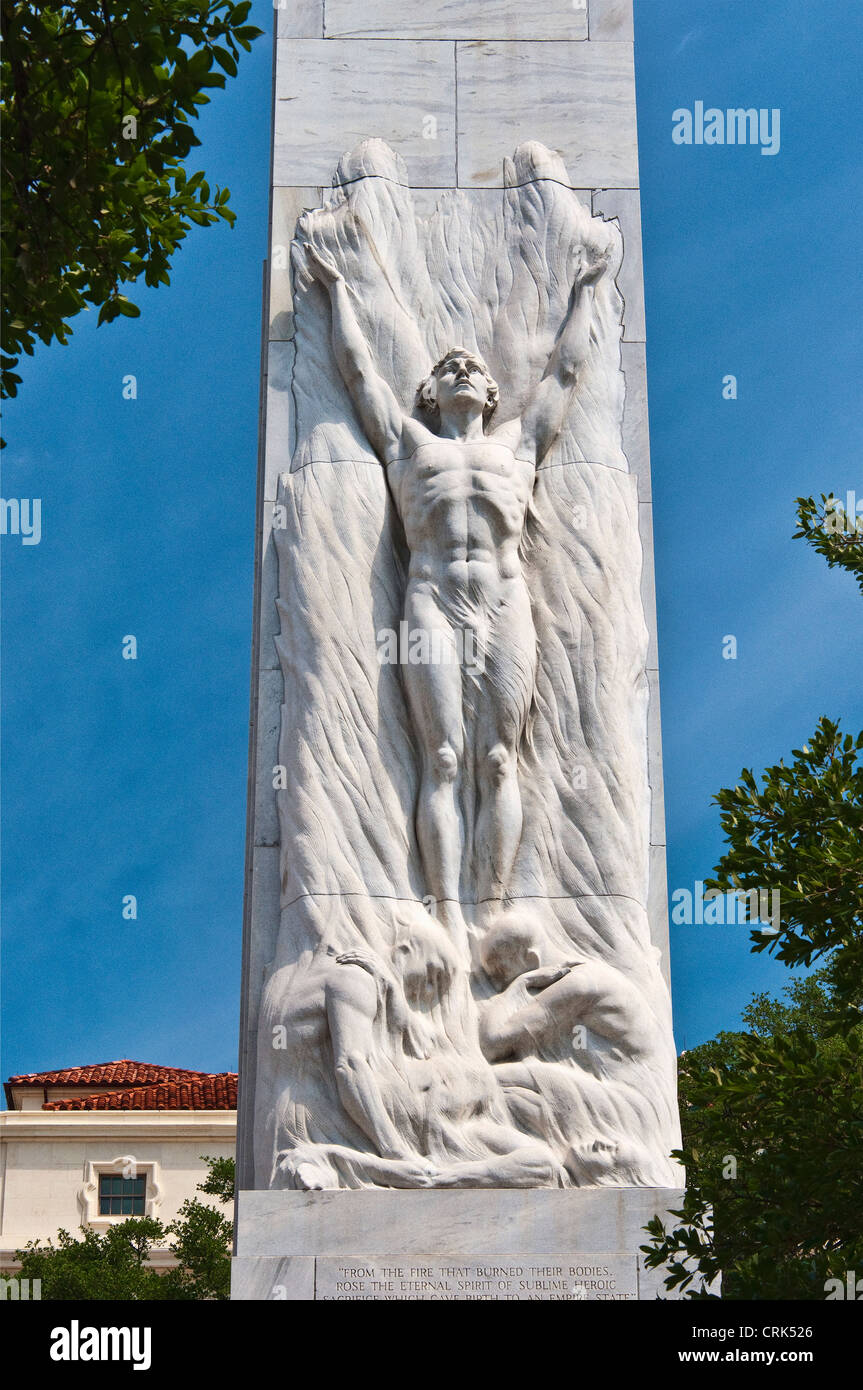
(456, 1021)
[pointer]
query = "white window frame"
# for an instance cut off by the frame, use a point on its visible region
(127, 1166)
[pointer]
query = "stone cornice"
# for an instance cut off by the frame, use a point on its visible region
(43, 1125)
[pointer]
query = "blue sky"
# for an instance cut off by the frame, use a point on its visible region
(129, 777)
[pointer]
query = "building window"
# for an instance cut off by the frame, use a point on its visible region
(120, 1196)
(107, 1195)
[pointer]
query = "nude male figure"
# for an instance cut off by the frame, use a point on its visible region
(462, 491)
(540, 1004)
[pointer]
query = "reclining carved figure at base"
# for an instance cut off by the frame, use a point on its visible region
(464, 991)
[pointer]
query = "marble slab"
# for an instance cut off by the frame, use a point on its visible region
(648, 580)
(260, 925)
(654, 763)
(610, 19)
(270, 694)
(578, 98)
(636, 434)
(502, 1279)
(469, 1222)
(288, 204)
(280, 413)
(452, 19)
(657, 907)
(333, 93)
(268, 618)
(299, 18)
(269, 1279)
(624, 206)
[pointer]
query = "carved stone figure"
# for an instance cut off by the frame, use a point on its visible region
(463, 990)
(462, 489)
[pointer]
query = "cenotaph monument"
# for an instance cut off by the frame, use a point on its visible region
(457, 1072)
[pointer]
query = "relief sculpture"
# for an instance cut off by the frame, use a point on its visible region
(464, 991)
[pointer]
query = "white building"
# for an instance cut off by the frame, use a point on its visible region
(94, 1145)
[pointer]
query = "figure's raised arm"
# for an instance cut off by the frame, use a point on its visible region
(378, 409)
(546, 411)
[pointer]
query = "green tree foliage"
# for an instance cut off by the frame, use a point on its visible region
(94, 1266)
(801, 833)
(833, 532)
(202, 1238)
(99, 104)
(114, 1265)
(773, 1127)
(773, 1116)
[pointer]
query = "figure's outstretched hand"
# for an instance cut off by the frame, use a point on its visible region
(590, 265)
(366, 960)
(547, 975)
(322, 267)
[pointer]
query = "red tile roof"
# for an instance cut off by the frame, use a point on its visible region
(198, 1091)
(113, 1074)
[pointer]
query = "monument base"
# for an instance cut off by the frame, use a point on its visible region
(474, 1244)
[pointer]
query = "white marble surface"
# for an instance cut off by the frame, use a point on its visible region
(270, 691)
(268, 620)
(580, 100)
(648, 580)
(470, 1223)
(657, 907)
(577, 97)
(272, 1279)
(261, 911)
(280, 417)
(453, 19)
(288, 204)
(333, 93)
(528, 280)
(431, 1278)
(624, 204)
(611, 19)
(654, 759)
(636, 435)
(300, 19)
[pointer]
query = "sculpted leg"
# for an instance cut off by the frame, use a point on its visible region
(499, 825)
(439, 828)
(435, 699)
(507, 691)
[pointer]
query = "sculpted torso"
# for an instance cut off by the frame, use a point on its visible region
(462, 505)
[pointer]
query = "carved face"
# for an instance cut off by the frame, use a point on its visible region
(509, 950)
(460, 384)
(424, 961)
(461, 379)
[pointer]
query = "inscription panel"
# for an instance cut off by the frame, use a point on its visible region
(463, 1279)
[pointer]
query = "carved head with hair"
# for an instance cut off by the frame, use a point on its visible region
(461, 364)
(511, 948)
(423, 955)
